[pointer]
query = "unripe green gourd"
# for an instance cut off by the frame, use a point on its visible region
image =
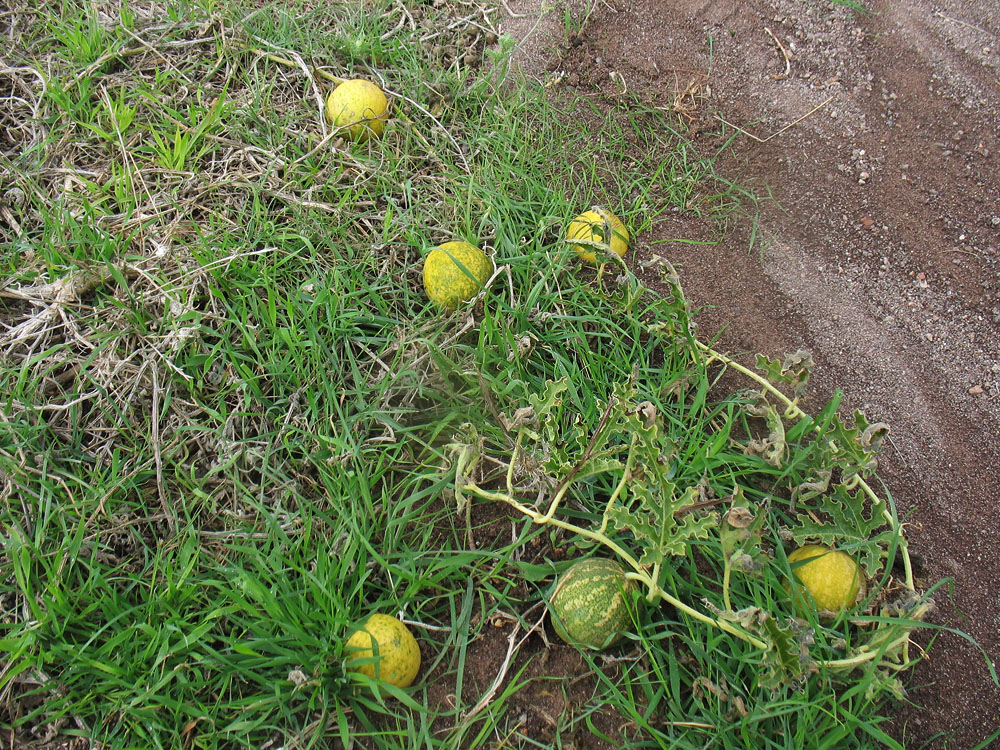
(590, 604)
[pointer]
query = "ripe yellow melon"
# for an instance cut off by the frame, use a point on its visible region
(455, 272)
(833, 578)
(358, 109)
(384, 649)
(600, 231)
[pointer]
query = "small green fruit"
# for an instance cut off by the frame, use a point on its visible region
(590, 604)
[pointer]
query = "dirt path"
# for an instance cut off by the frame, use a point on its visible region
(882, 258)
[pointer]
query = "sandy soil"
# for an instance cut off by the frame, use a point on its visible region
(879, 255)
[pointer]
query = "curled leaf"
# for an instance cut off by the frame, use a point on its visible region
(523, 417)
(702, 685)
(647, 411)
(745, 563)
(871, 438)
(739, 517)
(793, 371)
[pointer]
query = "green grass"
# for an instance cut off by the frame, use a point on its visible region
(855, 6)
(229, 415)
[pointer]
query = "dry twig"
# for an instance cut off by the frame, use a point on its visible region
(784, 53)
(776, 133)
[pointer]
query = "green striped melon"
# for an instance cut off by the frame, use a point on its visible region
(589, 606)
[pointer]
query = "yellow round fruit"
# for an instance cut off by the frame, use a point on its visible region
(601, 231)
(455, 272)
(358, 108)
(833, 578)
(384, 649)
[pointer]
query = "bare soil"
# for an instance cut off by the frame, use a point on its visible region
(877, 135)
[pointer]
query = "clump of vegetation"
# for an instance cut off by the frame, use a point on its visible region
(699, 496)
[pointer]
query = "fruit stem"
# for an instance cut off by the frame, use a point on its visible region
(867, 654)
(725, 585)
(879, 644)
(626, 477)
(289, 63)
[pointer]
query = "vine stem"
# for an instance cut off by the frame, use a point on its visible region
(626, 476)
(868, 655)
(793, 410)
(655, 590)
(726, 577)
(874, 650)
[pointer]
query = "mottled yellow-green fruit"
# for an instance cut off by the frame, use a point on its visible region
(455, 272)
(833, 578)
(358, 108)
(589, 606)
(598, 226)
(384, 649)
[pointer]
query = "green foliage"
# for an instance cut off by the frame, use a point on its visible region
(647, 475)
(179, 147)
(787, 657)
(649, 508)
(79, 31)
(231, 423)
